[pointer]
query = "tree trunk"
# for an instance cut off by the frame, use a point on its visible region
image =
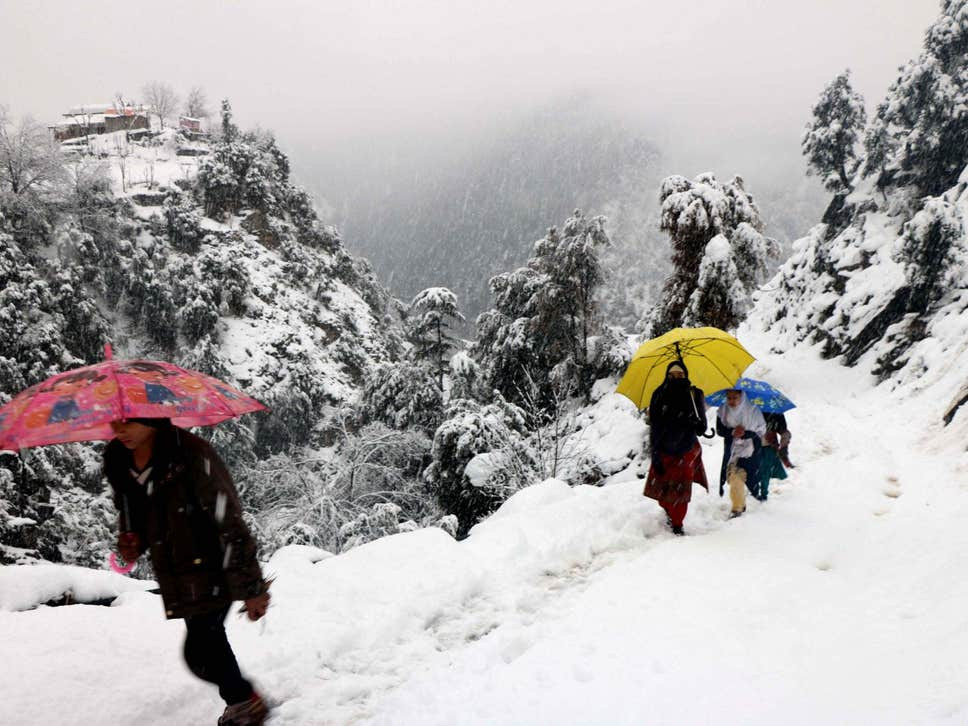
(843, 178)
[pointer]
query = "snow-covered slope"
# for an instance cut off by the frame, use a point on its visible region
(201, 252)
(837, 601)
(862, 293)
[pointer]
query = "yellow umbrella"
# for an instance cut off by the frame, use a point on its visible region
(715, 360)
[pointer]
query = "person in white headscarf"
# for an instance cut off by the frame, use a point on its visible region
(742, 426)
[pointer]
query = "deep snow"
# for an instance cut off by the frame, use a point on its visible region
(839, 601)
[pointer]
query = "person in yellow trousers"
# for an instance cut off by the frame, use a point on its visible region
(742, 426)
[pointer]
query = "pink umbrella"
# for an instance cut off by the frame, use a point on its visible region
(80, 405)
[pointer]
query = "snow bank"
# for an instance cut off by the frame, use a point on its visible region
(23, 587)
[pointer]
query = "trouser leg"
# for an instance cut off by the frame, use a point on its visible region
(737, 487)
(209, 655)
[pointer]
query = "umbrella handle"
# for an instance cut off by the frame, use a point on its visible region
(709, 434)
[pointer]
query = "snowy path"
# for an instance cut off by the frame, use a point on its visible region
(839, 601)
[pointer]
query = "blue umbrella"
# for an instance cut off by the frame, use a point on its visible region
(760, 393)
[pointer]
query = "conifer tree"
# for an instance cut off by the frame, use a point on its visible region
(431, 312)
(831, 138)
(719, 298)
(932, 250)
(693, 213)
(546, 314)
(919, 135)
(496, 433)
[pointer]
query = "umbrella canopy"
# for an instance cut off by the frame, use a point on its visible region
(760, 393)
(715, 360)
(80, 405)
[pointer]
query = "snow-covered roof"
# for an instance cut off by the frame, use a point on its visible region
(86, 108)
(80, 120)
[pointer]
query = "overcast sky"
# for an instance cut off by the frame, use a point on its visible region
(325, 74)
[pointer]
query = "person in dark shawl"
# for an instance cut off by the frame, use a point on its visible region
(677, 416)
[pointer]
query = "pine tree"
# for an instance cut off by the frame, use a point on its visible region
(495, 432)
(546, 314)
(831, 138)
(919, 135)
(229, 129)
(693, 213)
(402, 395)
(431, 311)
(182, 221)
(719, 299)
(931, 250)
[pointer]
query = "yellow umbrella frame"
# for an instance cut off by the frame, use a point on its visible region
(715, 360)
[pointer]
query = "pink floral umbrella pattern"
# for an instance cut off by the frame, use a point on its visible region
(79, 405)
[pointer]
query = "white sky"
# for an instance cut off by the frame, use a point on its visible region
(324, 75)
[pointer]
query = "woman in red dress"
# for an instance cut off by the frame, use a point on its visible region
(677, 415)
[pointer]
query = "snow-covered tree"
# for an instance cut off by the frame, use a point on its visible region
(719, 299)
(932, 250)
(29, 160)
(480, 457)
(229, 129)
(466, 378)
(833, 134)
(430, 316)
(183, 221)
(196, 103)
(919, 135)
(752, 252)
(693, 213)
(162, 99)
(546, 314)
(402, 394)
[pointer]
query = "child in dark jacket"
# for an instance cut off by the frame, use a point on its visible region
(176, 500)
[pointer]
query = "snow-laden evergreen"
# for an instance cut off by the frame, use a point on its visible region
(917, 139)
(694, 213)
(833, 134)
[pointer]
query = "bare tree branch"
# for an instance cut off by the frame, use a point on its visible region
(29, 159)
(162, 99)
(196, 103)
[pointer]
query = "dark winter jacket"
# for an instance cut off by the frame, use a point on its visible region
(676, 417)
(188, 516)
(751, 465)
(775, 422)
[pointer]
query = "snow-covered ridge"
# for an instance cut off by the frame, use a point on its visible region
(887, 293)
(200, 251)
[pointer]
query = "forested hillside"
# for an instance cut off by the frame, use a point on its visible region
(883, 279)
(198, 252)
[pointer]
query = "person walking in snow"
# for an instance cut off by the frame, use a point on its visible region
(778, 436)
(773, 455)
(742, 427)
(677, 415)
(176, 500)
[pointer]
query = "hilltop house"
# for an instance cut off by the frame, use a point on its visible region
(102, 118)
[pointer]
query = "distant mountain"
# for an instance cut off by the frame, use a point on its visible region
(460, 221)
